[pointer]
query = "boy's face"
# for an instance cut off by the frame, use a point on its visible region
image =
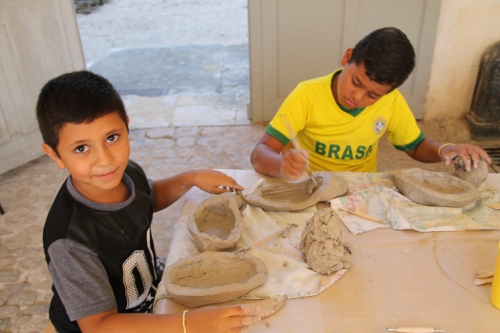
(95, 154)
(354, 89)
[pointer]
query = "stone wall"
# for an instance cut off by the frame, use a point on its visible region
(466, 28)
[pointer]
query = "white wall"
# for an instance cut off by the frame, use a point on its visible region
(466, 28)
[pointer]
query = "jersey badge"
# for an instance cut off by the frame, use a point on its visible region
(379, 125)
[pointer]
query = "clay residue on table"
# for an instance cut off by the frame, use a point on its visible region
(216, 223)
(292, 192)
(213, 277)
(433, 188)
(322, 243)
(476, 176)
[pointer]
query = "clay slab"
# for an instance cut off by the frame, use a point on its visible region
(215, 224)
(298, 196)
(213, 277)
(433, 188)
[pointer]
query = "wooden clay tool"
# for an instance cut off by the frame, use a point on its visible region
(295, 144)
(257, 185)
(494, 205)
(267, 239)
(484, 276)
(362, 215)
(482, 281)
(415, 329)
(485, 273)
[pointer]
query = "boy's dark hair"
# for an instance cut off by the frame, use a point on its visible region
(76, 97)
(387, 54)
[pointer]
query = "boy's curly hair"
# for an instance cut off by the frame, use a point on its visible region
(387, 54)
(76, 97)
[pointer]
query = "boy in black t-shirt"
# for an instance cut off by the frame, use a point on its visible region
(97, 237)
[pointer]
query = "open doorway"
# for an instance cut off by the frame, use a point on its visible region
(175, 62)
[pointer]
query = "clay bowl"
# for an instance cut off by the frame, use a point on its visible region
(434, 188)
(215, 225)
(213, 277)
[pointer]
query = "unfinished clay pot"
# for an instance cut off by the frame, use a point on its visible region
(433, 188)
(476, 176)
(289, 196)
(213, 277)
(322, 243)
(215, 225)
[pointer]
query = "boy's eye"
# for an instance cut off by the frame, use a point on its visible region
(113, 138)
(355, 83)
(81, 149)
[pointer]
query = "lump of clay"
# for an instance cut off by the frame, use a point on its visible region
(323, 245)
(215, 225)
(213, 277)
(475, 176)
(288, 196)
(433, 188)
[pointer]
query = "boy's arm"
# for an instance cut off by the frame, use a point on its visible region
(267, 160)
(427, 152)
(169, 190)
(204, 320)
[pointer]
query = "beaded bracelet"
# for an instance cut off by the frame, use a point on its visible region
(446, 144)
(184, 320)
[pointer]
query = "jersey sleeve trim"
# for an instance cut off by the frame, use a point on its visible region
(411, 146)
(277, 135)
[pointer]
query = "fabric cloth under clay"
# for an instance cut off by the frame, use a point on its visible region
(369, 193)
(289, 274)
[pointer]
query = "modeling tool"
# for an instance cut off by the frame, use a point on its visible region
(494, 205)
(266, 239)
(362, 215)
(485, 273)
(415, 330)
(481, 281)
(295, 144)
(257, 185)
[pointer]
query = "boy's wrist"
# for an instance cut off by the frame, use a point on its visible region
(194, 177)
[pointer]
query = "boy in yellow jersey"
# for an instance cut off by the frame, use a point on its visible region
(339, 118)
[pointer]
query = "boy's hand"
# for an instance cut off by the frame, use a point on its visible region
(215, 182)
(293, 164)
(227, 319)
(470, 154)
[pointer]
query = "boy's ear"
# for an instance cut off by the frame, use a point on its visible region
(347, 56)
(52, 154)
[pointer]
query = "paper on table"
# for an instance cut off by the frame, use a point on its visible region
(372, 195)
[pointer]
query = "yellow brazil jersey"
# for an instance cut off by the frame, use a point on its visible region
(338, 140)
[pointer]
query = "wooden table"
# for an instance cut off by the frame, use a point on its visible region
(397, 278)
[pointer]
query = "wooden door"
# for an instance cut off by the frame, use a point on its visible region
(294, 40)
(38, 40)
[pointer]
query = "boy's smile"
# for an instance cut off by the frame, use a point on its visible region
(96, 155)
(353, 88)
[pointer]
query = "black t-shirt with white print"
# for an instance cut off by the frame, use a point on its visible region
(101, 256)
